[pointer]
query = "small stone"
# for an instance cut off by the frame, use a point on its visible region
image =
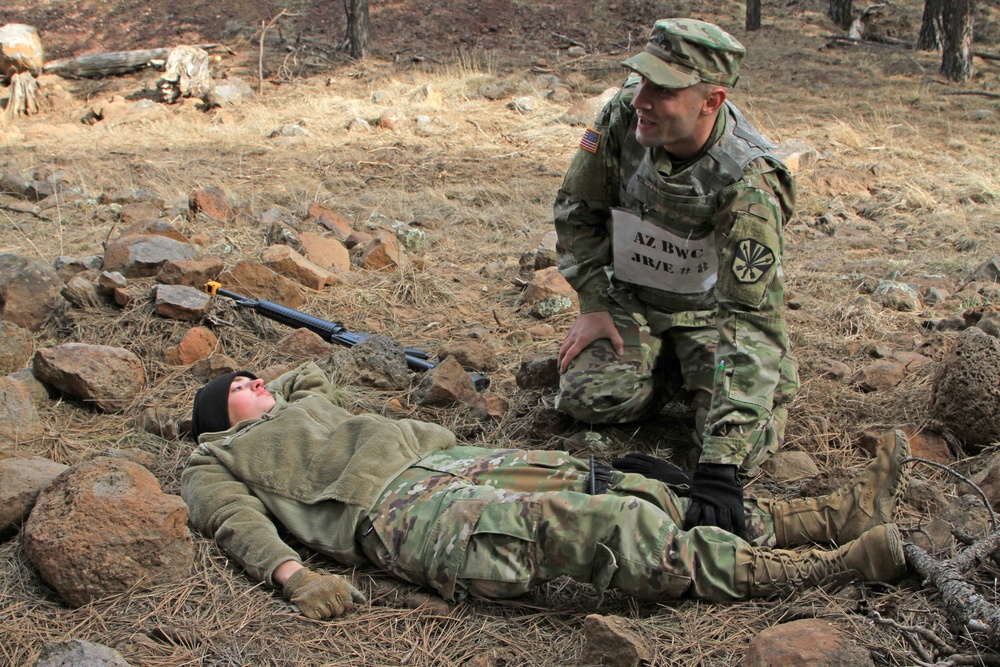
(446, 384)
(882, 375)
(539, 372)
(786, 466)
(211, 203)
(611, 642)
(180, 302)
(198, 343)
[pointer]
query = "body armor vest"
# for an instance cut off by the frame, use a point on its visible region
(664, 235)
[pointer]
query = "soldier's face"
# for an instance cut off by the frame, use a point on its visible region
(672, 118)
(248, 400)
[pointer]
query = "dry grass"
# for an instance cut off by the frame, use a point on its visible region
(907, 171)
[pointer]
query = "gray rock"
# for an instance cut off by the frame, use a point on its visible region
(539, 372)
(12, 184)
(231, 92)
(79, 653)
(67, 267)
(180, 302)
(896, 295)
(494, 91)
(988, 271)
(964, 397)
(377, 362)
(109, 281)
(29, 292)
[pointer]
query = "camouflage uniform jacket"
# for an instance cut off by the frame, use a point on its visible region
(700, 243)
(308, 464)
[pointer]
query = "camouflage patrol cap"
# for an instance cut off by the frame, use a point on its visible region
(682, 52)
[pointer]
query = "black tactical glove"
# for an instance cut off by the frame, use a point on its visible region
(654, 468)
(716, 499)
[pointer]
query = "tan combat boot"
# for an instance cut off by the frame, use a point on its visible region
(866, 501)
(875, 556)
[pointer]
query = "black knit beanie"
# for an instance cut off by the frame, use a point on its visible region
(211, 404)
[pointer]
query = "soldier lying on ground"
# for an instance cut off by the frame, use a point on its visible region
(494, 523)
(670, 222)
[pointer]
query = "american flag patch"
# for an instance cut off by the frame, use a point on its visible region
(590, 141)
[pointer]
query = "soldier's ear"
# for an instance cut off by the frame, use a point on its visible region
(713, 101)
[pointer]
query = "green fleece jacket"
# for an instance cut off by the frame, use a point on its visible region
(308, 465)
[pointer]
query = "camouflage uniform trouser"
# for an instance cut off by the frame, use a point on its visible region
(495, 523)
(599, 387)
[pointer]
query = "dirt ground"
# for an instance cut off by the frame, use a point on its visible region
(904, 185)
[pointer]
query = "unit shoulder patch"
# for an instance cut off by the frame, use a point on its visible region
(751, 261)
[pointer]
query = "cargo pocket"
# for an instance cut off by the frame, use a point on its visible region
(444, 550)
(501, 558)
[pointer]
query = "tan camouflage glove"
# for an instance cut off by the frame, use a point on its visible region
(321, 595)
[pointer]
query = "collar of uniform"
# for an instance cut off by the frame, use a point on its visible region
(667, 166)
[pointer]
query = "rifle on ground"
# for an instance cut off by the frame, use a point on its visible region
(332, 332)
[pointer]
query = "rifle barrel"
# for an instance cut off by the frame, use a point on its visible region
(332, 332)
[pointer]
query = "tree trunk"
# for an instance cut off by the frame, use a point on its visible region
(840, 12)
(930, 26)
(358, 36)
(753, 15)
(105, 64)
(109, 64)
(956, 37)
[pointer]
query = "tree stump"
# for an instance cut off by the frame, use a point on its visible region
(23, 99)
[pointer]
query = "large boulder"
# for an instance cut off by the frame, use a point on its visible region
(29, 292)
(104, 527)
(965, 392)
(108, 377)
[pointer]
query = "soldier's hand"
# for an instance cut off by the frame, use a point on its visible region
(716, 499)
(588, 328)
(321, 595)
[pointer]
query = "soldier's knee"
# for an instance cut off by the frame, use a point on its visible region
(597, 401)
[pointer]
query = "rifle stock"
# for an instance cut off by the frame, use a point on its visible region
(332, 332)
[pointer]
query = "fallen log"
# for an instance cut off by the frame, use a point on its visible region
(109, 64)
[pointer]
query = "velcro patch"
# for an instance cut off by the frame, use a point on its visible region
(751, 261)
(590, 141)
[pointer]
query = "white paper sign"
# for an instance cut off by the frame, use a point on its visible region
(651, 256)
